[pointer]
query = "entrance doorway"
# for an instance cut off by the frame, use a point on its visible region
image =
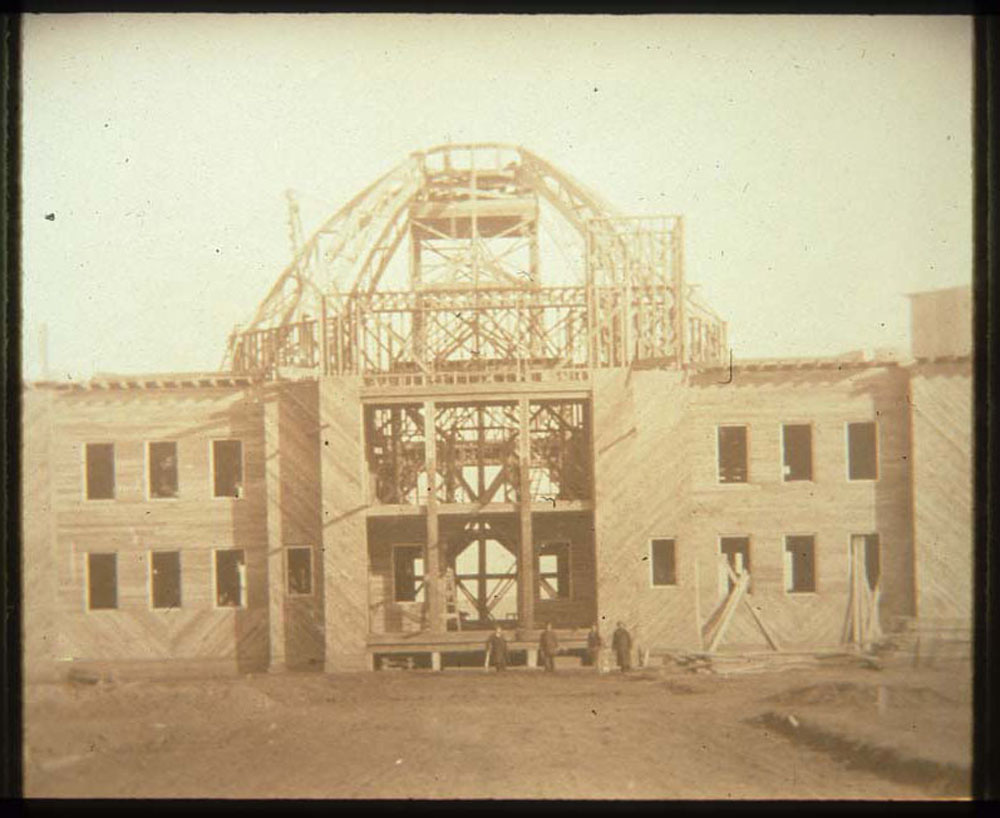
(483, 557)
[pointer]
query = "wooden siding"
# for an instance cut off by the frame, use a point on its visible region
(580, 608)
(291, 428)
(38, 558)
(656, 476)
(642, 469)
(344, 552)
(195, 523)
(942, 490)
(386, 615)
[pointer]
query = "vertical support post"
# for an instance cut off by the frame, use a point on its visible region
(417, 323)
(680, 305)
(856, 556)
(526, 555)
(435, 600)
(626, 319)
(697, 606)
(324, 347)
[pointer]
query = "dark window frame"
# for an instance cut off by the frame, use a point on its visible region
(564, 590)
(673, 583)
(150, 492)
(419, 595)
(92, 558)
(87, 472)
(727, 474)
(242, 590)
(152, 580)
(310, 570)
(239, 484)
(785, 465)
(873, 424)
(790, 579)
(747, 563)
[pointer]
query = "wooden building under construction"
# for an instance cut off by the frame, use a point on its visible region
(478, 395)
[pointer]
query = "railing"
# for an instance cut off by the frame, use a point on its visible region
(493, 335)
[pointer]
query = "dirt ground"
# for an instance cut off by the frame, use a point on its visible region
(655, 733)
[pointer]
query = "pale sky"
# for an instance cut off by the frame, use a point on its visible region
(823, 164)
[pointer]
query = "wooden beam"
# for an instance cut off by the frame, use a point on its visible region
(732, 602)
(526, 558)
(771, 640)
(435, 599)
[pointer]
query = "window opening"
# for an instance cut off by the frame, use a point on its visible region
(664, 561)
(733, 454)
(102, 581)
(800, 564)
(166, 579)
(163, 469)
(100, 471)
(230, 578)
(227, 468)
(862, 451)
(797, 451)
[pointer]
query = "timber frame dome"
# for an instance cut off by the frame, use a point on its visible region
(511, 268)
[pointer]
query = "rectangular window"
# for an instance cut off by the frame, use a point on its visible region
(227, 468)
(553, 570)
(230, 578)
(872, 556)
(408, 573)
(862, 451)
(165, 580)
(102, 581)
(664, 562)
(737, 553)
(298, 568)
(162, 459)
(100, 471)
(796, 446)
(732, 454)
(800, 564)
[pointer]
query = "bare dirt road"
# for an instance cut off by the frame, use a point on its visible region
(466, 734)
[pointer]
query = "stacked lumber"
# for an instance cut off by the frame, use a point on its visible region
(726, 664)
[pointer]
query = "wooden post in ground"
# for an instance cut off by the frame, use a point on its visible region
(697, 607)
(432, 562)
(526, 552)
(855, 591)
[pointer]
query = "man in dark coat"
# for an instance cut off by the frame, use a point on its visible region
(621, 643)
(496, 650)
(548, 646)
(594, 645)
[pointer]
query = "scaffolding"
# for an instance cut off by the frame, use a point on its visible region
(468, 297)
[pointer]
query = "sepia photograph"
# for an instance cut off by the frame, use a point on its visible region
(423, 406)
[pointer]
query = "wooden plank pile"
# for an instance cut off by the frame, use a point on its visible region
(726, 664)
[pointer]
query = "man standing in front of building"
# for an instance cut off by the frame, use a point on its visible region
(548, 646)
(594, 645)
(621, 643)
(496, 650)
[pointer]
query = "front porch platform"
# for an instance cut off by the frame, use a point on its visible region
(435, 644)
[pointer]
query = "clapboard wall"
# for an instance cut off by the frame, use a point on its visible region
(292, 439)
(132, 525)
(942, 489)
(345, 562)
(656, 476)
(38, 555)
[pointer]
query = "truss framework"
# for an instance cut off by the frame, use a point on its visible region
(473, 297)
(478, 452)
